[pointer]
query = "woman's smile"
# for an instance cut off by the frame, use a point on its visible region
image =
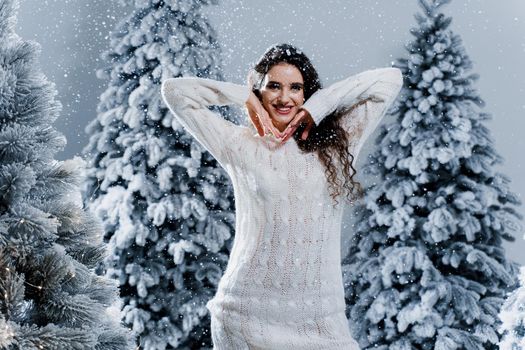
(282, 93)
(284, 110)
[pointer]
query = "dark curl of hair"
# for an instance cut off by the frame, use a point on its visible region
(329, 139)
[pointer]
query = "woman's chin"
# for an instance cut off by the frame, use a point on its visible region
(281, 121)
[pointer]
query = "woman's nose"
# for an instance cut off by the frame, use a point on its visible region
(284, 97)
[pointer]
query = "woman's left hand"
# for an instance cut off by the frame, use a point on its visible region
(303, 116)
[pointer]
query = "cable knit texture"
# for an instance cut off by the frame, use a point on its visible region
(282, 288)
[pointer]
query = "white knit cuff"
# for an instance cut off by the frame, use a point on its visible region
(316, 110)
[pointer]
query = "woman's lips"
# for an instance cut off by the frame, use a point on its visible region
(283, 110)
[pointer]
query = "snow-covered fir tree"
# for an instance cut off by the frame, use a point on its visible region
(426, 268)
(50, 297)
(167, 205)
(512, 316)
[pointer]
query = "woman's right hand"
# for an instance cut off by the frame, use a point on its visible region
(260, 117)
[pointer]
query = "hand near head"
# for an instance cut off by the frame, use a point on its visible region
(303, 116)
(260, 117)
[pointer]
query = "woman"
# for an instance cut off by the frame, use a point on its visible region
(282, 288)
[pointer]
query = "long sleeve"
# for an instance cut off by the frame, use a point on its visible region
(365, 97)
(188, 99)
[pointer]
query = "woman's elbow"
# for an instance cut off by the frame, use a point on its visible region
(171, 93)
(166, 87)
(396, 76)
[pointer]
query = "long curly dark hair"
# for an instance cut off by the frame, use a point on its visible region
(329, 139)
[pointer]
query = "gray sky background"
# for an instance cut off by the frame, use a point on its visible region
(341, 37)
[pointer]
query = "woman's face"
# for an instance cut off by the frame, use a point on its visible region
(282, 93)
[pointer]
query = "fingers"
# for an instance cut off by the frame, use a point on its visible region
(256, 122)
(306, 131)
(255, 111)
(301, 117)
(268, 124)
(288, 134)
(263, 123)
(309, 124)
(292, 126)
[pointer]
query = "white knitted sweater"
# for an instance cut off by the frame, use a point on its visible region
(282, 288)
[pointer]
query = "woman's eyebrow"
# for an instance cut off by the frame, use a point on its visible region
(276, 82)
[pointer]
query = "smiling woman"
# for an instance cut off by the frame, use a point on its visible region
(282, 64)
(282, 288)
(282, 93)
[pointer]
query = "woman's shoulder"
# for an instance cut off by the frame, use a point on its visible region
(241, 138)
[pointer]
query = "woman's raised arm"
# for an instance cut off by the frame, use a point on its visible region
(365, 97)
(188, 99)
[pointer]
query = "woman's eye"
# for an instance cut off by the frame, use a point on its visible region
(273, 86)
(296, 87)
